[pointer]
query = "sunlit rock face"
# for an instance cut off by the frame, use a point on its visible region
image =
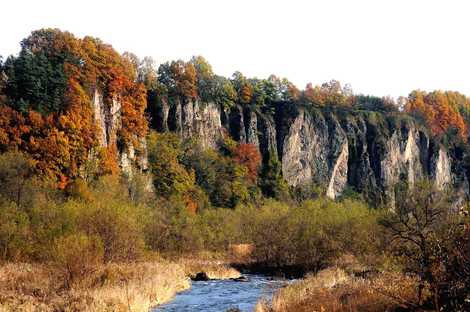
(107, 118)
(367, 152)
(192, 119)
(315, 150)
(339, 176)
(442, 169)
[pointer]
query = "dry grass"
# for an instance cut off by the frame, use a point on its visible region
(114, 287)
(241, 252)
(334, 290)
(215, 269)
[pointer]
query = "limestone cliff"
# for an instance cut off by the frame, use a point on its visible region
(366, 151)
(107, 118)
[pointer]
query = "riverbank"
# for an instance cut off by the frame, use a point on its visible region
(335, 289)
(113, 287)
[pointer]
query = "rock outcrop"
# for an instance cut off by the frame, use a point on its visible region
(192, 119)
(107, 118)
(366, 151)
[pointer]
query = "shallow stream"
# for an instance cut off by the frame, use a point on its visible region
(221, 295)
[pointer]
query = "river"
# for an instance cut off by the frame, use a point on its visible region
(221, 295)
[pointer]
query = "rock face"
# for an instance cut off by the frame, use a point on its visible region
(192, 119)
(314, 151)
(107, 117)
(442, 168)
(339, 176)
(368, 152)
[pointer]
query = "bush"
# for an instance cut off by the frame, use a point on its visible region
(170, 227)
(77, 256)
(14, 232)
(118, 226)
(16, 178)
(313, 234)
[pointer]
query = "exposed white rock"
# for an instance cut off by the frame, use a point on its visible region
(339, 177)
(108, 120)
(298, 151)
(206, 124)
(442, 171)
(401, 162)
(99, 117)
(313, 152)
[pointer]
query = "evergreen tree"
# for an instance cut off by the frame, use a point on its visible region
(272, 183)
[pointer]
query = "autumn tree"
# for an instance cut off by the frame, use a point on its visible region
(248, 155)
(439, 110)
(417, 227)
(243, 87)
(330, 93)
(133, 63)
(452, 262)
(226, 182)
(205, 77)
(179, 78)
(282, 89)
(171, 179)
(374, 103)
(147, 73)
(224, 92)
(49, 88)
(3, 81)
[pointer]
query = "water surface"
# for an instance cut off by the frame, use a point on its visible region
(220, 295)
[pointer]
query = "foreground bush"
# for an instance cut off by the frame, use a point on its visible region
(102, 212)
(77, 256)
(431, 240)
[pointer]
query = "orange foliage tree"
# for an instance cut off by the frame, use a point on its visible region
(248, 155)
(329, 93)
(55, 126)
(438, 109)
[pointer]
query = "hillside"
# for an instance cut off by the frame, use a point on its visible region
(74, 104)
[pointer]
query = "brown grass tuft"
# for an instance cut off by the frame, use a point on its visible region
(215, 269)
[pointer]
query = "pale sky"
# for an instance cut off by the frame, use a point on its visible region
(379, 47)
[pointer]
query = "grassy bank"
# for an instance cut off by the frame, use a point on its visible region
(335, 290)
(112, 287)
(214, 269)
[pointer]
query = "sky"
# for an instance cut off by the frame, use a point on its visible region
(379, 47)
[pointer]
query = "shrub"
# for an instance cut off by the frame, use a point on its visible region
(16, 173)
(418, 229)
(77, 256)
(332, 290)
(118, 226)
(14, 232)
(171, 228)
(313, 234)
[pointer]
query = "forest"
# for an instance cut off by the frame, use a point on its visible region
(66, 191)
